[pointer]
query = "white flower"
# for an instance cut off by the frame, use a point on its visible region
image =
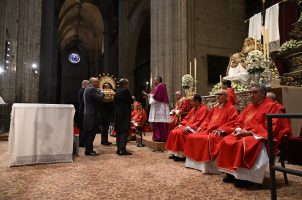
(187, 80)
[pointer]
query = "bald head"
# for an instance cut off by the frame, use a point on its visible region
(271, 95)
(93, 81)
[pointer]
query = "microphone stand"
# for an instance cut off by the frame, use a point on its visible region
(140, 130)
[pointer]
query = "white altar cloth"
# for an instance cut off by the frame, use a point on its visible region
(40, 133)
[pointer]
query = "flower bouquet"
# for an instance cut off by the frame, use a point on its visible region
(187, 81)
(289, 45)
(255, 62)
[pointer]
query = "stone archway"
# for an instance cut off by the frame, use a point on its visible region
(80, 31)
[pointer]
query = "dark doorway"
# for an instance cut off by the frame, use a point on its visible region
(142, 61)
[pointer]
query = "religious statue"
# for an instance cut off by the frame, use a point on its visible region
(236, 69)
(108, 86)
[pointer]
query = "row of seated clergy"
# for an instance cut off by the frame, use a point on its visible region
(177, 137)
(238, 146)
(180, 110)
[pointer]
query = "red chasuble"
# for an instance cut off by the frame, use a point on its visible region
(204, 146)
(177, 140)
(243, 152)
(139, 116)
(183, 106)
(232, 96)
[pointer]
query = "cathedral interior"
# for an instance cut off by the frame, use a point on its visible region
(136, 39)
(48, 47)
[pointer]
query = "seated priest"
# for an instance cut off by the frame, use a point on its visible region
(227, 85)
(202, 148)
(243, 154)
(182, 105)
(177, 137)
(138, 119)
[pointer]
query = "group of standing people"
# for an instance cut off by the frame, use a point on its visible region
(92, 117)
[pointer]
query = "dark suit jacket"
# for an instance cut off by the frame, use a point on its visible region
(122, 103)
(93, 100)
(81, 108)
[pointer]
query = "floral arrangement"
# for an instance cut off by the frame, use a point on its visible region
(237, 86)
(255, 62)
(187, 81)
(291, 44)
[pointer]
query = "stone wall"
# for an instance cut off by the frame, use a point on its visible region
(184, 29)
(20, 23)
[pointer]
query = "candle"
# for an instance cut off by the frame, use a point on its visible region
(190, 68)
(195, 66)
(267, 43)
(255, 38)
(264, 42)
(220, 78)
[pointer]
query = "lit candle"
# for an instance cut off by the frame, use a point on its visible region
(190, 68)
(195, 66)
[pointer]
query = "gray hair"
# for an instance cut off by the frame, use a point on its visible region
(123, 82)
(261, 87)
(85, 83)
(92, 79)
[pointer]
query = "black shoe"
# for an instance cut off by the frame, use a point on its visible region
(179, 159)
(171, 157)
(123, 153)
(242, 183)
(107, 143)
(229, 179)
(92, 153)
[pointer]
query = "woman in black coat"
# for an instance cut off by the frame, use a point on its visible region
(122, 104)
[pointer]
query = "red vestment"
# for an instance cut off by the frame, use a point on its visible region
(177, 140)
(139, 116)
(243, 152)
(232, 96)
(204, 146)
(182, 106)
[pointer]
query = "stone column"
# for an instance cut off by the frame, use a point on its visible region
(123, 57)
(107, 41)
(48, 85)
(169, 41)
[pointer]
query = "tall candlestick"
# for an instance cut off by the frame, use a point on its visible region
(264, 42)
(195, 66)
(267, 42)
(190, 68)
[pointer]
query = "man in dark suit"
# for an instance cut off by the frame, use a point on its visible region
(122, 103)
(92, 113)
(81, 112)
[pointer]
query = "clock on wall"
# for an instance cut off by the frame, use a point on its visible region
(74, 58)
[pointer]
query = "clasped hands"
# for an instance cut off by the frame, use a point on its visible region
(239, 133)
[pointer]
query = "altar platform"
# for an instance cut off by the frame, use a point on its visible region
(147, 140)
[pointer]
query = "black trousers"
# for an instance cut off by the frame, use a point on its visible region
(82, 138)
(104, 132)
(89, 140)
(121, 140)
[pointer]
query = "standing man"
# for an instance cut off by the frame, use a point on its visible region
(159, 110)
(81, 112)
(227, 85)
(92, 113)
(122, 103)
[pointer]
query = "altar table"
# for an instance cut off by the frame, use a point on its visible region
(40, 133)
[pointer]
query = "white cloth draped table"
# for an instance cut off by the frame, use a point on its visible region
(41, 133)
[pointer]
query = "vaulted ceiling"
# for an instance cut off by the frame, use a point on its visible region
(81, 24)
